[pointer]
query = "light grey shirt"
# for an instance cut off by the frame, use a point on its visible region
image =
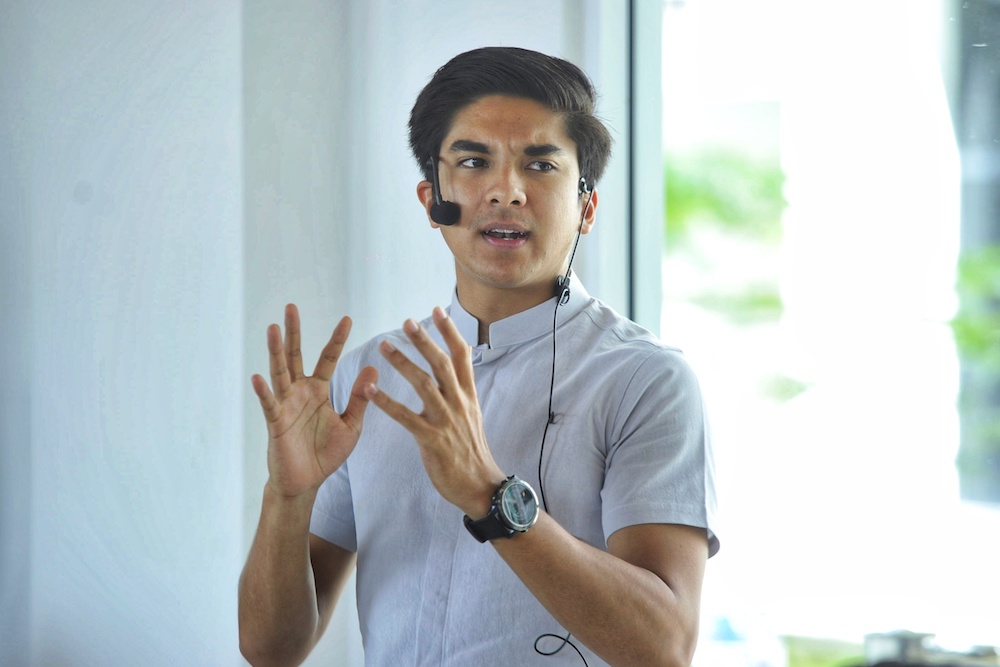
(629, 445)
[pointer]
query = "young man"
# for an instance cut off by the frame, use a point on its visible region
(525, 382)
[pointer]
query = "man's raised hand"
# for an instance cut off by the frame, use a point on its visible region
(307, 439)
(449, 430)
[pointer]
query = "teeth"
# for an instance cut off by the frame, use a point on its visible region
(506, 233)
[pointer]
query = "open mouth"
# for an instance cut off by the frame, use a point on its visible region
(506, 234)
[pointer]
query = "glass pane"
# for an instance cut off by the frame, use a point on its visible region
(813, 208)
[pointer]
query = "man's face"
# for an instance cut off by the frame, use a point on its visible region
(510, 166)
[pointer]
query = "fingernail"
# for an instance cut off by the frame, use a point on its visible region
(440, 313)
(388, 347)
(371, 390)
(411, 326)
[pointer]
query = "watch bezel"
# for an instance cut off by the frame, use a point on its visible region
(497, 523)
(514, 484)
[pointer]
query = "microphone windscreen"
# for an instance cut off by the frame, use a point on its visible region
(445, 213)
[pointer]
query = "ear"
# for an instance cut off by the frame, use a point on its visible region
(425, 193)
(590, 201)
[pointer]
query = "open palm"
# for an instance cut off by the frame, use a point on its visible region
(307, 439)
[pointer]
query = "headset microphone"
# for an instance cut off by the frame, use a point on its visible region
(442, 212)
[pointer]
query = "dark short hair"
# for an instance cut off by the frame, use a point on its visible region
(553, 82)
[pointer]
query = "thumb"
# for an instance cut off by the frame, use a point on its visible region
(358, 403)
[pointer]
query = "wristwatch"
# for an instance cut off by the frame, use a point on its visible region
(513, 509)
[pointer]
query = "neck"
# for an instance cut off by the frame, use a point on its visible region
(484, 332)
(499, 305)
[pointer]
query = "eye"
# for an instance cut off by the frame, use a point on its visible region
(541, 165)
(472, 162)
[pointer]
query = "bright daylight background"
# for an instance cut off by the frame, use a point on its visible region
(816, 310)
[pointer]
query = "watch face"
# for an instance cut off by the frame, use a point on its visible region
(518, 505)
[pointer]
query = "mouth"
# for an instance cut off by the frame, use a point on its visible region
(505, 234)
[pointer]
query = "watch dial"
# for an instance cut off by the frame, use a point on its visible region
(519, 505)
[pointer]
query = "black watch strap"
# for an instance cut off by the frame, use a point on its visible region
(490, 527)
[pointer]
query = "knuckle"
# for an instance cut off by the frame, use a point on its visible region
(427, 384)
(440, 362)
(462, 352)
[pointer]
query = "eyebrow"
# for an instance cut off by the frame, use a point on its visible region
(543, 150)
(467, 146)
(534, 150)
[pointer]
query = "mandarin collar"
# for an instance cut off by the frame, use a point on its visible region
(520, 327)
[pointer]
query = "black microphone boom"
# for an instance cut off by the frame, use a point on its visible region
(442, 212)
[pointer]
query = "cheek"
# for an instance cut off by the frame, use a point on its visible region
(465, 191)
(572, 209)
(462, 186)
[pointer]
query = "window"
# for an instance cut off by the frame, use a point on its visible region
(812, 195)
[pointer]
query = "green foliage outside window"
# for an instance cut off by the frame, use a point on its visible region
(729, 193)
(976, 327)
(813, 652)
(734, 191)
(719, 200)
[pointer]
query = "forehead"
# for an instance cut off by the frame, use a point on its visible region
(516, 122)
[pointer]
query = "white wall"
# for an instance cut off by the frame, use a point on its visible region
(170, 177)
(120, 165)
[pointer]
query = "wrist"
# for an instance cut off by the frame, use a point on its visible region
(302, 501)
(480, 502)
(284, 515)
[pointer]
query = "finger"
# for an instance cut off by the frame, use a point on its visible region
(358, 403)
(280, 379)
(461, 351)
(441, 365)
(406, 418)
(426, 385)
(268, 403)
(330, 355)
(293, 342)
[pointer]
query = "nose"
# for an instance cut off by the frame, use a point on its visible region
(507, 188)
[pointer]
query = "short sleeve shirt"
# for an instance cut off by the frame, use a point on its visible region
(628, 444)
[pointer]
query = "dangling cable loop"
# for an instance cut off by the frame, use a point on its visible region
(563, 642)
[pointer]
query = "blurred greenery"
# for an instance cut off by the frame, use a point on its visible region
(731, 189)
(976, 326)
(721, 193)
(723, 203)
(751, 304)
(812, 652)
(781, 388)
(976, 329)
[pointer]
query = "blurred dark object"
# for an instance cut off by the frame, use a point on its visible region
(903, 648)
